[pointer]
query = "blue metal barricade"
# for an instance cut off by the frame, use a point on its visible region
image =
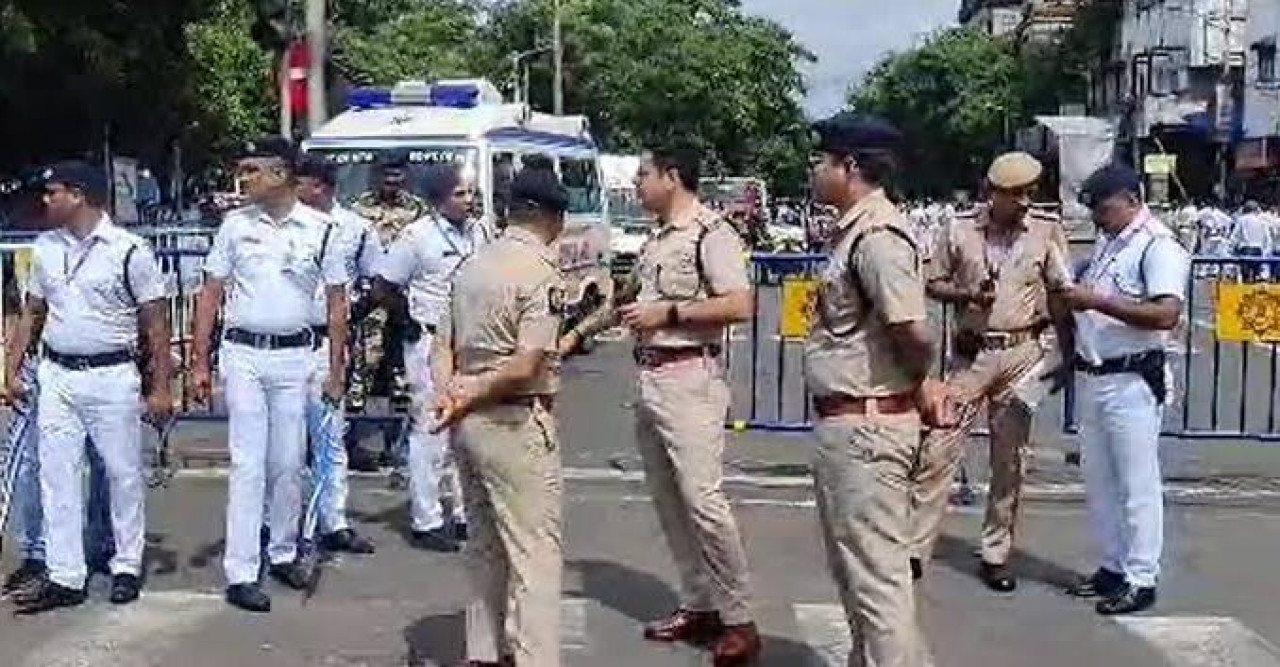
(1226, 390)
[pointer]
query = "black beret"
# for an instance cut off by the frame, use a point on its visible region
(846, 132)
(1110, 180)
(539, 189)
(270, 146)
(90, 179)
(318, 168)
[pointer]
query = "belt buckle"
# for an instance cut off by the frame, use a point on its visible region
(1000, 339)
(647, 357)
(262, 341)
(81, 364)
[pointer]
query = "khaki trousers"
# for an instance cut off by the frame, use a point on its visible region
(1008, 383)
(509, 461)
(861, 472)
(680, 434)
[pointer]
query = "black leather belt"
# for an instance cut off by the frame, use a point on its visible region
(269, 341)
(657, 357)
(413, 331)
(1148, 365)
(84, 362)
(545, 401)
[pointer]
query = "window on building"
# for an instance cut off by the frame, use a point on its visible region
(1266, 63)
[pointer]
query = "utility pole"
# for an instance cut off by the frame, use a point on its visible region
(558, 48)
(317, 105)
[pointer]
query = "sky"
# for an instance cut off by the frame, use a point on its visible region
(849, 36)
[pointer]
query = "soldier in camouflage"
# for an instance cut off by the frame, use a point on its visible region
(378, 359)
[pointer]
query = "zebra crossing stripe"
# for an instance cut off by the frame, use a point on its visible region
(131, 635)
(824, 628)
(573, 623)
(1203, 641)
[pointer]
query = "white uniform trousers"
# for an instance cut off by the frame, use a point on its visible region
(103, 404)
(433, 476)
(326, 425)
(266, 395)
(1120, 433)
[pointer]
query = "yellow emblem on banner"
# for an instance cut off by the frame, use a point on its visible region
(799, 301)
(22, 267)
(1248, 312)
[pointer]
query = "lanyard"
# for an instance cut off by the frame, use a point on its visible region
(69, 272)
(1107, 255)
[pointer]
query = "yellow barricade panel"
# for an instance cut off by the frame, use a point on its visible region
(1248, 312)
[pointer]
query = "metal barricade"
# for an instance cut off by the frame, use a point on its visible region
(1224, 390)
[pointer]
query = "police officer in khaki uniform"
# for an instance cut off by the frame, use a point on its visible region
(996, 266)
(867, 362)
(692, 283)
(496, 373)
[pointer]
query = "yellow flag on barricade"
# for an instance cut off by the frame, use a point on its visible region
(1248, 312)
(799, 303)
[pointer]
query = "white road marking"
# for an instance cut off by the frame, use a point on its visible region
(1196, 641)
(573, 623)
(824, 628)
(138, 635)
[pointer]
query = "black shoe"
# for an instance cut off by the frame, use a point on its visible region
(917, 569)
(100, 563)
(347, 540)
(360, 460)
(1104, 583)
(436, 539)
(1131, 599)
(460, 532)
(27, 573)
(288, 574)
(50, 596)
(125, 588)
(998, 578)
(249, 598)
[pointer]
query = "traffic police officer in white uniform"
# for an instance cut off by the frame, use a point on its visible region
(275, 253)
(356, 242)
(96, 291)
(425, 258)
(1128, 297)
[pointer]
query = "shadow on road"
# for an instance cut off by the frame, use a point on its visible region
(156, 559)
(434, 640)
(643, 597)
(958, 554)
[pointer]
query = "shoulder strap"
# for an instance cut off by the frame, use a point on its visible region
(856, 279)
(698, 263)
(128, 279)
(1142, 260)
(324, 244)
(364, 241)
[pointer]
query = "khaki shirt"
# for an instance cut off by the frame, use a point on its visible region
(389, 218)
(849, 350)
(509, 296)
(1024, 271)
(668, 271)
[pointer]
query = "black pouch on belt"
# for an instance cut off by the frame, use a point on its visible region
(1150, 367)
(967, 344)
(412, 332)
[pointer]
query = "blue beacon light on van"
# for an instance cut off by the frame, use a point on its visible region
(455, 96)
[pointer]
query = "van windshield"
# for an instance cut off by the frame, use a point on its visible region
(358, 169)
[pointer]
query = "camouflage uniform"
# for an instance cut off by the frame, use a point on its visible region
(379, 337)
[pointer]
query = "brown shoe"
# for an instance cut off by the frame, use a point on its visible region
(694, 627)
(738, 646)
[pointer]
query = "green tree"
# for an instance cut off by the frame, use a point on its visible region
(649, 71)
(956, 99)
(232, 78)
(384, 41)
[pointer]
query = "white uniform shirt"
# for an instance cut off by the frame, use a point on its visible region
(274, 270)
(425, 257)
(360, 248)
(1252, 231)
(1142, 262)
(1273, 221)
(83, 284)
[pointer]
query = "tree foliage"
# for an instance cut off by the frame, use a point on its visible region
(231, 76)
(956, 99)
(383, 41)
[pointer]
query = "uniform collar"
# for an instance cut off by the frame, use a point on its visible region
(101, 232)
(875, 199)
(691, 216)
(296, 216)
(522, 235)
(984, 220)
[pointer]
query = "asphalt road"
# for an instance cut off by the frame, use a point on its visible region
(403, 607)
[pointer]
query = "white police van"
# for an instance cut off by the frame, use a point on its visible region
(466, 121)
